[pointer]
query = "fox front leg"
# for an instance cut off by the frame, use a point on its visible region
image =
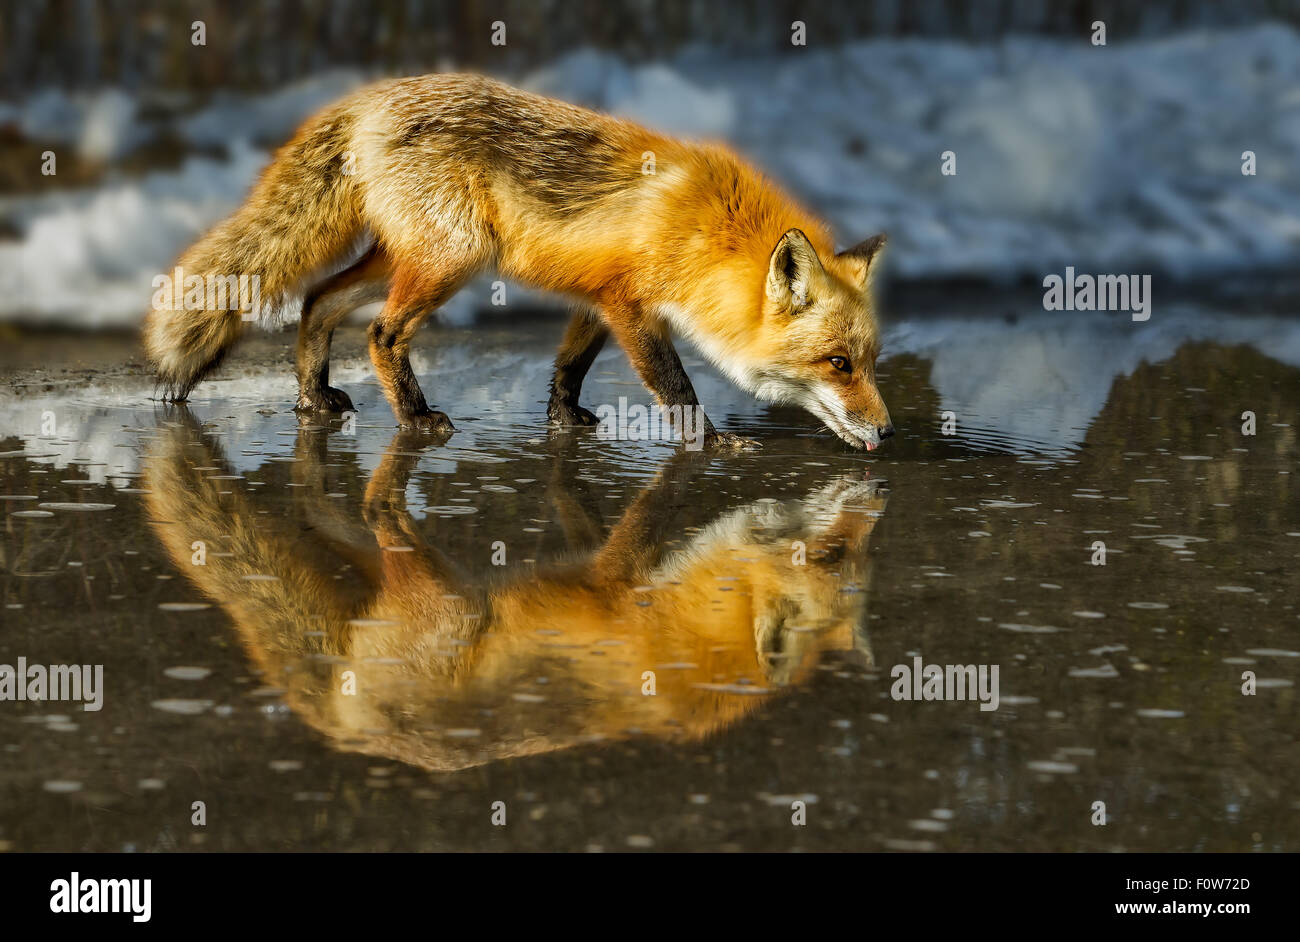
(660, 368)
(583, 339)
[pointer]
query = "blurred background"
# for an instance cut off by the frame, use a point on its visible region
(1125, 157)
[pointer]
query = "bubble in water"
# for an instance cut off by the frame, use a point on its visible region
(187, 673)
(184, 707)
(62, 786)
(1106, 671)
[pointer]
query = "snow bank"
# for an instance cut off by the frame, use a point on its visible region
(1124, 158)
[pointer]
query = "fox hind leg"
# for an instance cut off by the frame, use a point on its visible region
(325, 306)
(583, 340)
(417, 291)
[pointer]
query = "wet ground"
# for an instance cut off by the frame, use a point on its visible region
(339, 637)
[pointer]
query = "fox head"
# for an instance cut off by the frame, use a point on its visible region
(823, 337)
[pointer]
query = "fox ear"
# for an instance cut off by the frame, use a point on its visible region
(791, 270)
(859, 258)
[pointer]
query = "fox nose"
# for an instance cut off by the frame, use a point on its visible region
(886, 431)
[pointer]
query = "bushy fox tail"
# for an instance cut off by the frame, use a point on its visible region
(302, 215)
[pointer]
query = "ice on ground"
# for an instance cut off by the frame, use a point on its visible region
(1032, 390)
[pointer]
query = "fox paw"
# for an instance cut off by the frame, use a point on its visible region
(430, 422)
(730, 441)
(564, 413)
(328, 399)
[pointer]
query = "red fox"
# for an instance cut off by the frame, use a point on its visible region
(432, 180)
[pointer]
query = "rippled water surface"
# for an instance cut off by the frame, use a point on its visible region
(349, 638)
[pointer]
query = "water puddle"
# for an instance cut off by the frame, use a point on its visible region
(634, 646)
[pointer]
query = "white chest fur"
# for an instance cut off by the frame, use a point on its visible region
(726, 356)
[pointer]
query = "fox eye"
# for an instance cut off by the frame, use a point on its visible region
(842, 364)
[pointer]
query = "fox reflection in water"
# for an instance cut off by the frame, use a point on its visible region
(453, 668)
